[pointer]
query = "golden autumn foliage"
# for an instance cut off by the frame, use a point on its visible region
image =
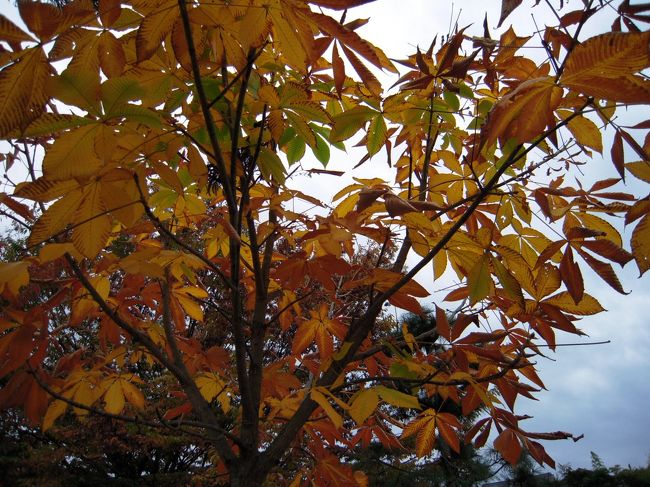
(162, 140)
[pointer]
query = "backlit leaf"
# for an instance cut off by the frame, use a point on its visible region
(397, 398)
(641, 244)
(154, 28)
(586, 133)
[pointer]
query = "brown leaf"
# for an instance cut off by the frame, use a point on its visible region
(582, 232)
(396, 206)
(618, 158)
(507, 7)
(604, 270)
(368, 196)
(609, 250)
(442, 324)
(451, 51)
(571, 276)
(338, 68)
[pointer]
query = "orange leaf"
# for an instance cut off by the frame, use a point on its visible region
(442, 324)
(508, 445)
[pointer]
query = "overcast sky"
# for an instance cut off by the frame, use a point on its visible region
(599, 391)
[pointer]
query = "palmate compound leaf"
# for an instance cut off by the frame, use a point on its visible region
(119, 390)
(425, 428)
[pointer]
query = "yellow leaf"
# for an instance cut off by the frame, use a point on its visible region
(327, 407)
(84, 394)
(439, 264)
(53, 251)
(45, 190)
(640, 170)
(586, 133)
(426, 437)
(397, 398)
(118, 189)
(605, 66)
(347, 205)
(363, 405)
(253, 28)
(479, 281)
(154, 28)
(286, 37)
(93, 225)
(611, 54)
(510, 118)
(114, 397)
(377, 134)
(547, 281)
(73, 155)
(210, 385)
(191, 307)
(596, 223)
(56, 217)
(14, 275)
(588, 305)
(55, 410)
(641, 244)
(22, 91)
(78, 88)
(133, 394)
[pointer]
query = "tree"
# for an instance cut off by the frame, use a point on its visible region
(170, 282)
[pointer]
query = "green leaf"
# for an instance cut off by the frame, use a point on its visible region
(350, 122)
(479, 280)
(377, 134)
(48, 123)
(119, 91)
(271, 165)
(363, 405)
(322, 150)
(296, 149)
(397, 398)
(78, 88)
(452, 100)
(136, 113)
